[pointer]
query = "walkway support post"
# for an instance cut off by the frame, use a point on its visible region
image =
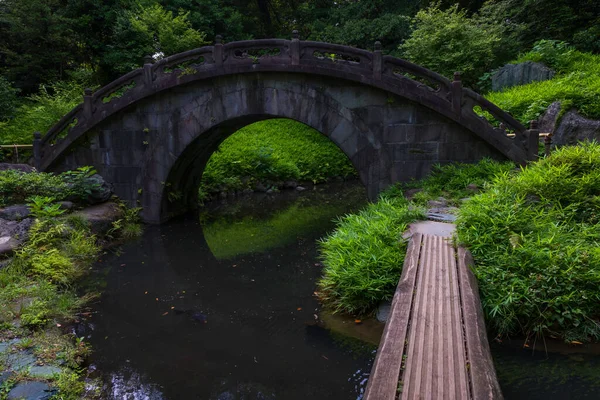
(295, 48)
(532, 140)
(548, 144)
(457, 92)
(377, 61)
(218, 51)
(37, 148)
(87, 103)
(148, 71)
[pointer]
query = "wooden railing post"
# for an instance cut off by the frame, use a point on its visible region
(148, 71)
(295, 48)
(457, 92)
(532, 140)
(37, 150)
(548, 144)
(87, 103)
(218, 50)
(377, 61)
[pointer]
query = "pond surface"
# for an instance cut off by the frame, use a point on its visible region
(561, 374)
(224, 308)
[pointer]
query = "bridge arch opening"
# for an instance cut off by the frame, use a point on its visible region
(254, 153)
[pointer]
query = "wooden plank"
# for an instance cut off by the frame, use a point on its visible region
(460, 364)
(442, 337)
(436, 359)
(483, 375)
(383, 381)
(414, 359)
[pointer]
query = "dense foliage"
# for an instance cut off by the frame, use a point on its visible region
(362, 258)
(576, 84)
(40, 111)
(535, 237)
(271, 152)
(447, 41)
(17, 187)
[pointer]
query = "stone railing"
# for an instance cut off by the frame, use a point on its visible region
(372, 68)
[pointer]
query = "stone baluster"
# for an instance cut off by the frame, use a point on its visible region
(37, 150)
(87, 103)
(218, 50)
(295, 48)
(148, 71)
(457, 92)
(377, 61)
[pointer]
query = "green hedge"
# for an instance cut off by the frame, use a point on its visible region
(535, 237)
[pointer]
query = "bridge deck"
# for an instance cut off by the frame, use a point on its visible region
(434, 345)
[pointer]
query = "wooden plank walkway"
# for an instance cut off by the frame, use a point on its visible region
(434, 345)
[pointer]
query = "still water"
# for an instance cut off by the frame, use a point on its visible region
(563, 373)
(221, 306)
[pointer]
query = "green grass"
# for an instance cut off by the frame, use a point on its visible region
(535, 238)
(576, 84)
(363, 257)
(271, 152)
(452, 181)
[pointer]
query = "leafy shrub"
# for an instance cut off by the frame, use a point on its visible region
(70, 386)
(272, 151)
(363, 257)
(56, 251)
(129, 226)
(17, 186)
(79, 182)
(36, 315)
(41, 111)
(447, 41)
(534, 237)
(42, 207)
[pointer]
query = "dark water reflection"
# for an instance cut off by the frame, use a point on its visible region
(536, 375)
(259, 340)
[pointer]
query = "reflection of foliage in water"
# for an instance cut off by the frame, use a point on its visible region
(539, 377)
(229, 235)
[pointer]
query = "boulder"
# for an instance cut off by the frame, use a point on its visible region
(18, 167)
(15, 213)
(66, 205)
(101, 193)
(31, 391)
(13, 234)
(101, 216)
(547, 122)
(520, 74)
(574, 128)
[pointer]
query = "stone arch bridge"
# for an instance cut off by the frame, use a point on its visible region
(151, 132)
